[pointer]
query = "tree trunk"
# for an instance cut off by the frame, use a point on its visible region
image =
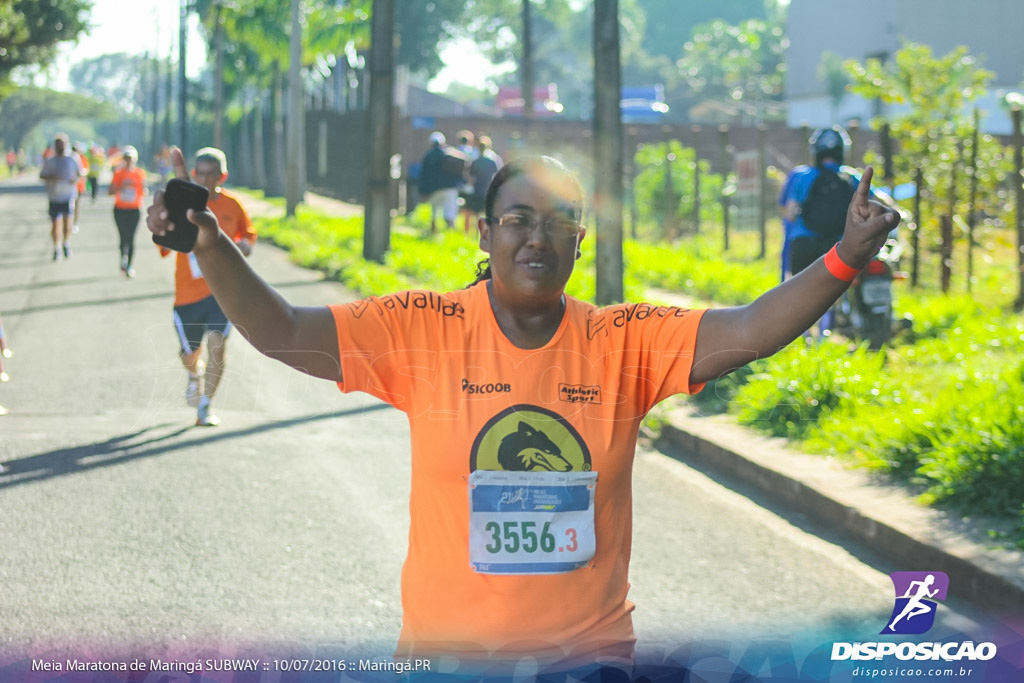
(946, 252)
(1018, 185)
(218, 77)
(946, 270)
(275, 164)
(259, 146)
(168, 98)
(242, 152)
(972, 200)
(296, 116)
(183, 81)
(377, 216)
(526, 66)
(915, 235)
(608, 152)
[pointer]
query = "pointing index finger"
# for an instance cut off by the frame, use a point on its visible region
(863, 192)
(178, 160)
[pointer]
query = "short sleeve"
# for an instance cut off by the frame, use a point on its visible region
(664, 339)
(388, 345)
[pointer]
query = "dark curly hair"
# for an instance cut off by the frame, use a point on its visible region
(534, 165)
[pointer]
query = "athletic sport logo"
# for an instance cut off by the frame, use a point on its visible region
(917, 596)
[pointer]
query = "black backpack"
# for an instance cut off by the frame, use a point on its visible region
(824, 211)
(453, 161)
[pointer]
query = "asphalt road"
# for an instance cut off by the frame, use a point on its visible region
(125, 528)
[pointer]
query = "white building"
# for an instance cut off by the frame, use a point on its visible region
(992, 31)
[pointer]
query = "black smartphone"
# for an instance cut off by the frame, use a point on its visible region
(179, 197)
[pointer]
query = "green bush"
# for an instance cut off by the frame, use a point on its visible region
(694, 272)
(790, 393)
(980, 462)
(720, 394)
(656, 195)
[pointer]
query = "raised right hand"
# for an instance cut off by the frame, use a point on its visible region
(158, 220)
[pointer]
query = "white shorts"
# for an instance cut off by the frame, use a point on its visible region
(448, 201)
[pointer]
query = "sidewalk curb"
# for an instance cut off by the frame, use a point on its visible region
(968, 579)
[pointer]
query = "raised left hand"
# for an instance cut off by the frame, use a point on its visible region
(868, 223)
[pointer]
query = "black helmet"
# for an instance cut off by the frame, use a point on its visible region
(829, 142)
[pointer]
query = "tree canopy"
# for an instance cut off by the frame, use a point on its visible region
(27, 107)
(30, 31)
(115, 78)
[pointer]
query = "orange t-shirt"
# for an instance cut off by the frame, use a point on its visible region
(129, 187)
(189, 284)
(84, 163)
(477, 402)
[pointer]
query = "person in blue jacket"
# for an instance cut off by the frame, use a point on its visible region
(803, 246)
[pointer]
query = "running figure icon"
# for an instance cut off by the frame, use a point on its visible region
(917, 591)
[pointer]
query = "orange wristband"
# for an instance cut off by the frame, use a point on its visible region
(837, 267)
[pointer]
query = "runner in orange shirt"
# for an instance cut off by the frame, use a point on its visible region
(128, 187)
(78, 151)
(197, 315)
(524, 407)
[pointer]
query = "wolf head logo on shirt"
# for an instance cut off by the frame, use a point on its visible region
(528, 438)
(529, 449)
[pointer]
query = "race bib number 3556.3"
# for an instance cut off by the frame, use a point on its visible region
(531, 522)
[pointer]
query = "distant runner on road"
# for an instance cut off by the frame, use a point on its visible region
(61, 172)
(128, 187)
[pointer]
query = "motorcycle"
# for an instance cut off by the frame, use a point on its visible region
(865, 311)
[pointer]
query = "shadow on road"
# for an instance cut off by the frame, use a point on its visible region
(54, 283)
(23, 186)
(133, 446)
(165, 294)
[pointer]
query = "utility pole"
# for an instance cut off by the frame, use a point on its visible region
(526, 66)
(296, 115)
(168, 92)
(183, 80)
(218, 75)
(377, 216)
(1018, 193)
(608, 152)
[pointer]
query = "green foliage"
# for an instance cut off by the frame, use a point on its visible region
(30, 31)
(653, 31)
(27, 107)
(691, 268)
(423, 27)
(664, 187)
(116, 78)
(934, 317)
(980, 462)
(736, 62)
(720, 394)
(934, 132)
(804, 384)
(834, 76)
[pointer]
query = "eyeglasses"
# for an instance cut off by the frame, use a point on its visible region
(520, 223)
